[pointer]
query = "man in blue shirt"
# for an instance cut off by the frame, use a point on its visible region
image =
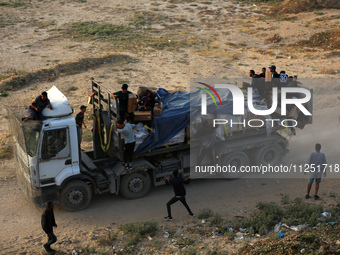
(316, 164)
(130, 141)
(37, 106)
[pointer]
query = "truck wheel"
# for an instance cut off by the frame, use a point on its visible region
(235, 160)
(75, 196)
(135, 185)
(269, 155)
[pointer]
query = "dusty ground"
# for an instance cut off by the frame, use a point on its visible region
(195, 39)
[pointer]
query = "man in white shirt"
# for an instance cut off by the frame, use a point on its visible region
(130, 141)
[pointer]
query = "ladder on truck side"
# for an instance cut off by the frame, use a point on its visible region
(105, 112)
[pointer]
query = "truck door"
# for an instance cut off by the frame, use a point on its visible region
(55, 154)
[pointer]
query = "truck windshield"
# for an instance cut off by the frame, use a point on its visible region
(31, 140)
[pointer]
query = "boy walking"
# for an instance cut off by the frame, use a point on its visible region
(180, 192)
(316, 164)
(47, 224)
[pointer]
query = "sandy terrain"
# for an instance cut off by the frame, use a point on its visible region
(230, 39)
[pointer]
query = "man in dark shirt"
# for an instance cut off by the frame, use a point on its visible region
(315, 165)
(123, 98)
(150, 99)
(47, 224)
(263, 74)
(177, 183)
(256, 82)
(37, 106)
(273, 72)
(80, 121)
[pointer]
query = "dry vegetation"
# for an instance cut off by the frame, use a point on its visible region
(298, 6)
(329, 40)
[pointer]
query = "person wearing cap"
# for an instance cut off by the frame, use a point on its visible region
(272, 69)
(37, 106)
(80, 121)
(123, 97)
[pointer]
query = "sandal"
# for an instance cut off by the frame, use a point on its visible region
(316, 197)
(307, 196)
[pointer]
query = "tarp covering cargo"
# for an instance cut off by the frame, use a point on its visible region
(176, 115)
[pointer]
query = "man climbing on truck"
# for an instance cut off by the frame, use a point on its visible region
(80, 121)
(129, 141)
(37, 106)
(123, 97)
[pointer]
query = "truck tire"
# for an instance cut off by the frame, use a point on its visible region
(75, 196)
(135, 185)
(235, 159)
(269, 155)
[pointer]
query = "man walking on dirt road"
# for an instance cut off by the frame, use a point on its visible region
(315, 165)
(177, 183)
(47, 224)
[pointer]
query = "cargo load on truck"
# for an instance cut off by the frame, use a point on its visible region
(180, 109)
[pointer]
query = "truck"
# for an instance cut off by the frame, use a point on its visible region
(52, 167)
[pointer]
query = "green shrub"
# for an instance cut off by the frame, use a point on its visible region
(205, 213)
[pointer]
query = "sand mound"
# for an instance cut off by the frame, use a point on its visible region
(297, 6)
(329, 40)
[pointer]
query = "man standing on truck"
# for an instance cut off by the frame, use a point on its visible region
(37, 106)
(80, 121)
(123, 97)
(47, 224)
(316, 165)
(180, 192)
(129, 139)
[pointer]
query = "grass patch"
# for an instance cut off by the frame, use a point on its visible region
(217, 221)
(205, 213)
(72, 88)
(108, 239)
(328, 40)
(309, 241)
(299, 213)
(6, 152)
(69, 68)
(285, 200)
(297, 6)
(136, 230)
(132, 37)
(262, 221)
(3, 94)
(258, 1)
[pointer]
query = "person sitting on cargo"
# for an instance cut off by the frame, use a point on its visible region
(149, 98)
(292, 81)
(37, 106)
(129, 141)
(123, 98)
(273, 72)
(283, 79)
(257, 83)
(263, 74)
(145, 108)
(252, 74)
